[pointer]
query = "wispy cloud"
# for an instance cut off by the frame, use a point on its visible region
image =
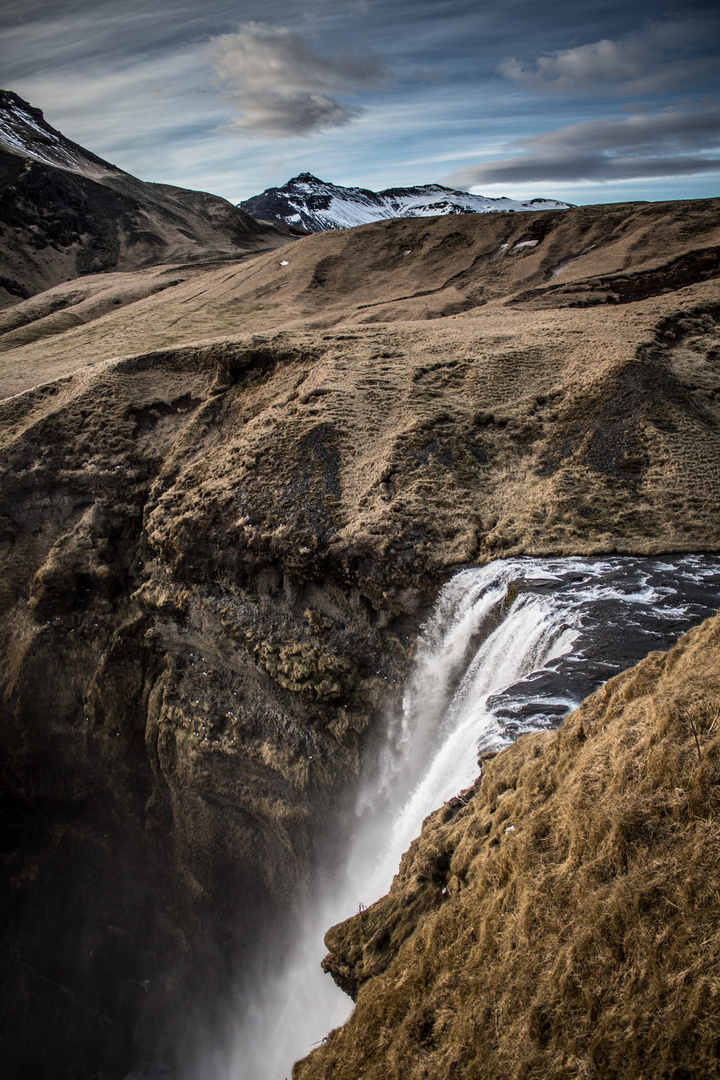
(282, 87)
(673, 142)
(155, 88)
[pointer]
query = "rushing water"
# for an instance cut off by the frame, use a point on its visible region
(509, 648)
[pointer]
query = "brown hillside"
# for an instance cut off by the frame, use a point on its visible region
(65, 213)
(475, 270)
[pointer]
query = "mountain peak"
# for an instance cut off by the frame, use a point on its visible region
(25, 131)
(305, 178)
(306, 202)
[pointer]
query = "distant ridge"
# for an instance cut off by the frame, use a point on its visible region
(306, 202)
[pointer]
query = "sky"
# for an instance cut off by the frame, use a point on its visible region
(585, 101)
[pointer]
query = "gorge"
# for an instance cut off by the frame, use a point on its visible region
(486, 671)
(233, 486)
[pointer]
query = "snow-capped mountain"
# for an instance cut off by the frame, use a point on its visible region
(66, 212)
(308, 203)
(24, 131)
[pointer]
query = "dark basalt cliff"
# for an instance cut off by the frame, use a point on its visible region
(214, 562)
(182, 705)
(559, 918)
(214, 558)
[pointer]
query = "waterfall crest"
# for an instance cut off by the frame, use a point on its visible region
(509, 648)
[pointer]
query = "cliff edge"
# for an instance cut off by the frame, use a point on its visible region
(215, 554)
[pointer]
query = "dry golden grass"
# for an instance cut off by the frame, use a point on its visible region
(422, 448)
(565, 429)
(462, 270)
(565, 922)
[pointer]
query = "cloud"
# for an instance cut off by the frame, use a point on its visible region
(564, 69)
(640, 64)
(674, 142)
(282, 87)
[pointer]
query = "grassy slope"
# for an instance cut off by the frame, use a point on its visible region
(590, 268)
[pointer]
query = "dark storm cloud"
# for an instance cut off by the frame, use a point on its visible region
(283, 87)
(670, 143)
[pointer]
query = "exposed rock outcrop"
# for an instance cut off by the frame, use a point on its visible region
(179, 707)
(214, 563)
(560, 917)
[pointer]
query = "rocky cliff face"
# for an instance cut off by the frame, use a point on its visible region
(215, 557)
(559, 918)
(183, 696)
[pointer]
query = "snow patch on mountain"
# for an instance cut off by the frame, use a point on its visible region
(309, 203)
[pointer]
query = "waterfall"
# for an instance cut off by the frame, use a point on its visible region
(509, 648)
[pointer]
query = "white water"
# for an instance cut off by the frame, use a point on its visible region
(469, 652)
(432, 754)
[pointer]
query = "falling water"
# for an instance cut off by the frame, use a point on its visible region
(509, 648)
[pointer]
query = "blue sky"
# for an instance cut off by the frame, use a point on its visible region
(584, 101)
